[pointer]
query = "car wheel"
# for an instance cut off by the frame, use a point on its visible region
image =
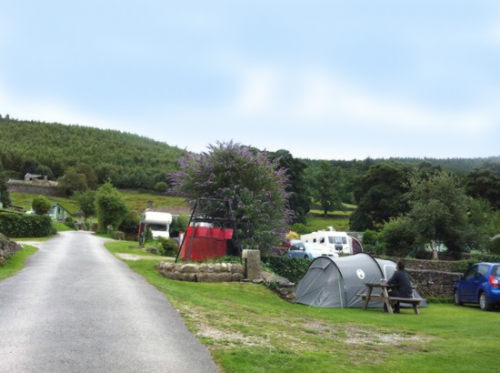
(484, 303)
(458, 302)
(306, 257)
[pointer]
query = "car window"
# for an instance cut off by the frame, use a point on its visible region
(496, 270)
(483, 269)
(471, 272)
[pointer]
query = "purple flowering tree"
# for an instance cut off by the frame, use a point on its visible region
(254, 185)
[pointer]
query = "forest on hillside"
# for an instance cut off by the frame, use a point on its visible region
(130, 161)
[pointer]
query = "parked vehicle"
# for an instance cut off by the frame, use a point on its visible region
(308, 250)
(479, 284)
(157, 222)
(341, 242)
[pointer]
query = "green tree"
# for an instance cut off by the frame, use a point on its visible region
(438, 211)
(254, 185)
(72, 182)
(298, 194)
(399, 236)
(484, 183)
(161, 187)
(380, 194)
(110, 206)
(86, 201)
(327, 186)
(90, 175)
(4, 193)
(41, 205)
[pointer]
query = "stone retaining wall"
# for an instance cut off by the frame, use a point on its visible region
(7, 248)
(435, 265)
(216, 272)
(34, 189)
(432, 283)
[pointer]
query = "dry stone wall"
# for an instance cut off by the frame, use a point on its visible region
(7, 248)
(204, 272)
(432, 283)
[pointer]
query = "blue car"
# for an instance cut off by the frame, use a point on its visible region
(479, 284)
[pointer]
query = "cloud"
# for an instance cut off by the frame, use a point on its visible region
(317, 97)
(49, 110)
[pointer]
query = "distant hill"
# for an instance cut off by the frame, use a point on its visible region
(130, 161)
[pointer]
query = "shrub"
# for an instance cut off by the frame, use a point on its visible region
(118, 235)
(399, 237)
(254, 185)
(41, 205)
(168, 246)
(111, 209)
(21, 225)
(291, 268)
(70, 222)
(494, 246)
(179, 224)
(300, 228)
(161, 187)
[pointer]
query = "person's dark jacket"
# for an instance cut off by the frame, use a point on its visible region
(401, 284)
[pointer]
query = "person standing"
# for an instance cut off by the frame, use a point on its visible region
(400, 285)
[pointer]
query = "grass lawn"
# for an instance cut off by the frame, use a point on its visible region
(135, 201)
(248, 328)
(139, 201)
(16, 262)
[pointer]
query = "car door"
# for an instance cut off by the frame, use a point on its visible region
(296, 250)
(468, 283)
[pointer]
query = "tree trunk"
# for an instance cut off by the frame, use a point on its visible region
(434, 250)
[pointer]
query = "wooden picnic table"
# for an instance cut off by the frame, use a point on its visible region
(384, 295)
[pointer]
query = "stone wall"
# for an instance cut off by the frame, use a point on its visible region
(436, 265)
(432, 283)
(7, 248)
(204, 272)
(33, 189)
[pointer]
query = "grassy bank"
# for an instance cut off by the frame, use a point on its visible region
(16, 262)
(249, 329)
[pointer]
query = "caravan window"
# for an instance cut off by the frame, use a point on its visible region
(158, 227)
(338, 240)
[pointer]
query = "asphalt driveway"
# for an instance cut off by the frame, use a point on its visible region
(76, 308)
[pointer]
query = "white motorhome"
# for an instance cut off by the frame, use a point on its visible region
(157, 222)
(340, 241)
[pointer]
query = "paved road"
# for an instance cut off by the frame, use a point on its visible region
(75, 308)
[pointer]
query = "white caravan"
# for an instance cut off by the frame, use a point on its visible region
(340, 241)
(157, 222)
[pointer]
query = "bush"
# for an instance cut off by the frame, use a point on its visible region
(70, 222)
(41, 205)
(300, 228)
(21, 225)
(179, 224)
(399, 237)
(291, 268)
(168, 246)
(118, 235)
(161, 187)
(494, 246)
(111, 208)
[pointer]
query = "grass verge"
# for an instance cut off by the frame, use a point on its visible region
(248, 328)
(16, 262)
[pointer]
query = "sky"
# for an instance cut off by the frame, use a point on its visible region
(322, 79)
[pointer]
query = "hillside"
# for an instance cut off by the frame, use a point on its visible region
(130, 161)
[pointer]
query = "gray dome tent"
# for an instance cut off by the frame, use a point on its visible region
(337, 282)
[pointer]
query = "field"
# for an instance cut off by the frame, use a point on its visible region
(135, 201)
(248, 328)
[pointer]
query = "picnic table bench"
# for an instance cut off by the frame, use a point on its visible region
(388, 300)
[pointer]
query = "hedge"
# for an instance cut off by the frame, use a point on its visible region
(291, 268)
(14, 224)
